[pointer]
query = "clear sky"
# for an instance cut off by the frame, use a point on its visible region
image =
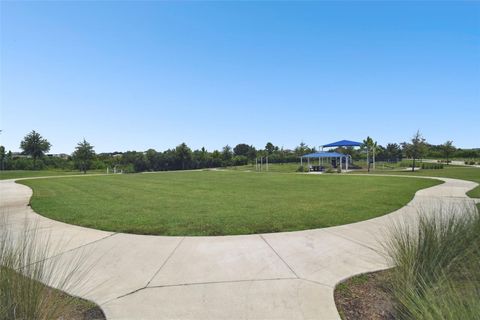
(139, 75)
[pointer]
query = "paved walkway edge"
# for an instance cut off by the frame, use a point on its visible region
(286, 275)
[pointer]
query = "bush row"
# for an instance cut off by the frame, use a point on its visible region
(432, 165)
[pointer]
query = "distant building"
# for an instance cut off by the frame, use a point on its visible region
(19, 155)
(58, 155)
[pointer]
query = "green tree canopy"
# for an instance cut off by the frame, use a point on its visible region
(241, 149)
(83, 155)
(302, 149)
(183, 154)
(3, 157)
(245, 150)
(371, 147)
(393, 152)
(416, 148)
(227, 154)
(448, 149)
(270, 148)
(34, 145)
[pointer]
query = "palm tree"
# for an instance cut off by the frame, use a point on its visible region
(374, 149)
(34, 145)
(367, 145)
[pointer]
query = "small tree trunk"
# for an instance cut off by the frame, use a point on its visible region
(373, 159)
(413, 165)
(368, 162)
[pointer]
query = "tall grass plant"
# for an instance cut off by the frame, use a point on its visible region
(437, 265)
(28, 274)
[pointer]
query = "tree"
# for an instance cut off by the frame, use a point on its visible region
(227, 155)
(448, 149)
(302, 149)
(34, 145)
(369, 146)
(375, 148)
(270, 148)
(183, 154)
(252, 153)
(3, 157)
(153, 161)
(241, 149)
(245, 150)
(416, 148)
(83, 155)
(393, 152)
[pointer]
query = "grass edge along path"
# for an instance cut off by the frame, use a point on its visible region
(453, 172)
(436, 275)
(23, 174)
(201, 203)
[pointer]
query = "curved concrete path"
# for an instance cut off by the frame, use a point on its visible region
(288, 275)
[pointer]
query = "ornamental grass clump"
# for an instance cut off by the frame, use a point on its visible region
(437, 265)
(28, 273)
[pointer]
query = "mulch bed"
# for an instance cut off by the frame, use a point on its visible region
(366, 296)
(85, 312)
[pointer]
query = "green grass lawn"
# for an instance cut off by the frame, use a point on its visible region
(219, 202)
(16, 174)
(272, 167)
(457, 172)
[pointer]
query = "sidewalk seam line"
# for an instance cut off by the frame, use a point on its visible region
(206, 283)
(73, 249)
(352, 240)
(165, 262)
(318, 283)
(289, 267)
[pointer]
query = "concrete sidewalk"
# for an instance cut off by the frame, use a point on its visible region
(288, 275)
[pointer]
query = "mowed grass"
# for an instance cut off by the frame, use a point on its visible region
(455, 172)
(219, 203)
(17, 174)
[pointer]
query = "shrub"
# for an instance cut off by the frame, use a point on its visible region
(437, 274)
(239, 160)
(407, 163)
(431, 165)
(25, 268)
(301, 169)
(444, 161)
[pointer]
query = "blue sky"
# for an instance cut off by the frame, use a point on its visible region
(139, 75)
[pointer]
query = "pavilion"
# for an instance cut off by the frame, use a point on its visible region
(332, 157)
(342, 143)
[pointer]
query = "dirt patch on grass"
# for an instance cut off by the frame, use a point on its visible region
(366, 296)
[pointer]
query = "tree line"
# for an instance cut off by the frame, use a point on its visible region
(35, 148)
